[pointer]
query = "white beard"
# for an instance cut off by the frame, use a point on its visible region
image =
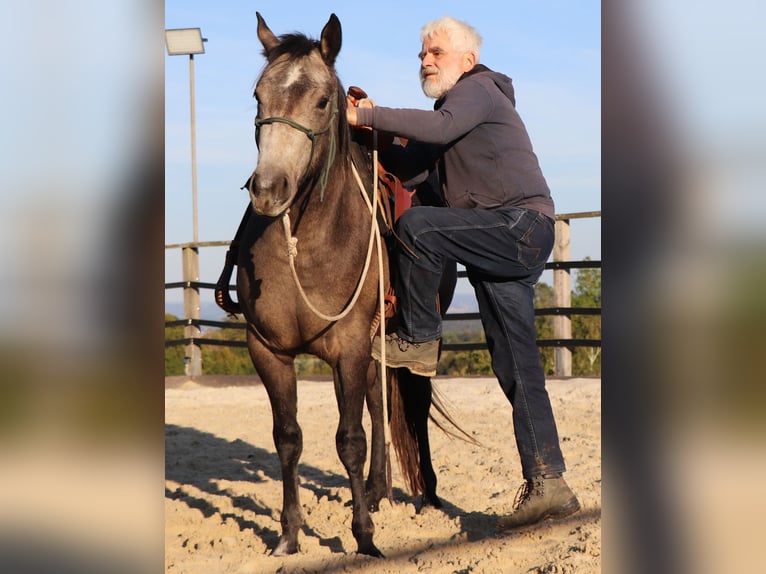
(438, 84)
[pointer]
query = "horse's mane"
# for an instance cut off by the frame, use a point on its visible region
(295, 45)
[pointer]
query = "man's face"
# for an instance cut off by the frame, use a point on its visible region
(440, 65)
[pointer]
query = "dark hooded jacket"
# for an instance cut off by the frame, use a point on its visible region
(474, 138)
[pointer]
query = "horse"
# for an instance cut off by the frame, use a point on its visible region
(304, 286)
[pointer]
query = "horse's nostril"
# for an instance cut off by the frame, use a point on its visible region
(277, 185)
(259, 184)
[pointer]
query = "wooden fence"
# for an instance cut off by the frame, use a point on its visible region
(562, 311)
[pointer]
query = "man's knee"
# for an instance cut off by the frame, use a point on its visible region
(410, 222)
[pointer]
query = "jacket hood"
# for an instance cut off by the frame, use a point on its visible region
(503, 82)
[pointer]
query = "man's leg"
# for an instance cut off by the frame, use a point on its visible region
(486, 240)
(507, 312)
(508, 317)
(502, 244)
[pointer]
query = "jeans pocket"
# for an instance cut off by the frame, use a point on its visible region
(535, 245)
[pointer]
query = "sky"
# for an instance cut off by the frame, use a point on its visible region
(550, 49)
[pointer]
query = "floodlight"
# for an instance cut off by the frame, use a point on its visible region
(182, 41)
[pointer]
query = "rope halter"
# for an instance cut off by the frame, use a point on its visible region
(311, 134)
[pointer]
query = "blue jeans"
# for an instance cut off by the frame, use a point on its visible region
(504, 252)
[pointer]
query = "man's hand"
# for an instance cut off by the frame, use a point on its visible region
(352, 103)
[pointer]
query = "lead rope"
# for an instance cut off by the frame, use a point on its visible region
(382, 312)
(292, 252)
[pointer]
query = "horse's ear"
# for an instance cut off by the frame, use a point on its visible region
(265, 35)
(330, 40)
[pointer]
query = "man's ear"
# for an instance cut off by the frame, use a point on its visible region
(469, 61)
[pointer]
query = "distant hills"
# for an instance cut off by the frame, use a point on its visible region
(461, 303)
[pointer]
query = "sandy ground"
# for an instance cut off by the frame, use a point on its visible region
(223, 494)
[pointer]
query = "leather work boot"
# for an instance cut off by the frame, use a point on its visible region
(540, 498)
(419, 358)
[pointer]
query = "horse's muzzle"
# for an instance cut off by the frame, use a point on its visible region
(270, 195)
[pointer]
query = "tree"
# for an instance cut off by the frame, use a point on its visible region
(219, 360)
(464, 362)
(311, 365)
(544, 325)
(587, 293)
(174, 356)
(228, 360)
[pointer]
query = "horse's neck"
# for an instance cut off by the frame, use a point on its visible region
(340, 206)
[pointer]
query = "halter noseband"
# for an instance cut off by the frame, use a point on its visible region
(311, 134)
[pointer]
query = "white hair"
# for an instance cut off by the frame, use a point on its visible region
(464, 37)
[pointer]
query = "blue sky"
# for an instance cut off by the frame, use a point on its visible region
(551, 49)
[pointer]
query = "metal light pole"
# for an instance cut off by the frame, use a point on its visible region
(182, 42)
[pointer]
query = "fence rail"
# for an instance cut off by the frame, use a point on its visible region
(561, 312)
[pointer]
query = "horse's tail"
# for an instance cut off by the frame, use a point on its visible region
(407, 401)
(411, 399)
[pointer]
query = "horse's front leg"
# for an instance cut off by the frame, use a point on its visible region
(280, 382)
(288, 440)
(351, 443)
(377, 479)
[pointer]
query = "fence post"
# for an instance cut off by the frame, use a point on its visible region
(562, 297)
(193, 352)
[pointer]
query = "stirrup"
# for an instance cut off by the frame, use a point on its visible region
(222, 297)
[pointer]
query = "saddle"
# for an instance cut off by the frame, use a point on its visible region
(392, 197)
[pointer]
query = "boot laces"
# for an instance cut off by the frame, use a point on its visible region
(530, 487)
(403, 344)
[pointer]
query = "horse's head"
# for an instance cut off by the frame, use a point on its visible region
(299, 107)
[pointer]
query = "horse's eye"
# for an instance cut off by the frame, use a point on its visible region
(323, 103)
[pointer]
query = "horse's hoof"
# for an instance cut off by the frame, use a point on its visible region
(285, 548)
(431, 501)
(371, 550)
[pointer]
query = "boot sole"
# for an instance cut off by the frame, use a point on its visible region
(414, 368)
(568, 509)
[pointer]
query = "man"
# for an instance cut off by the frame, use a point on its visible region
(497, 221)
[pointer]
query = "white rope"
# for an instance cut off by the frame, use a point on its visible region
(292, 253)
(382, 311)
